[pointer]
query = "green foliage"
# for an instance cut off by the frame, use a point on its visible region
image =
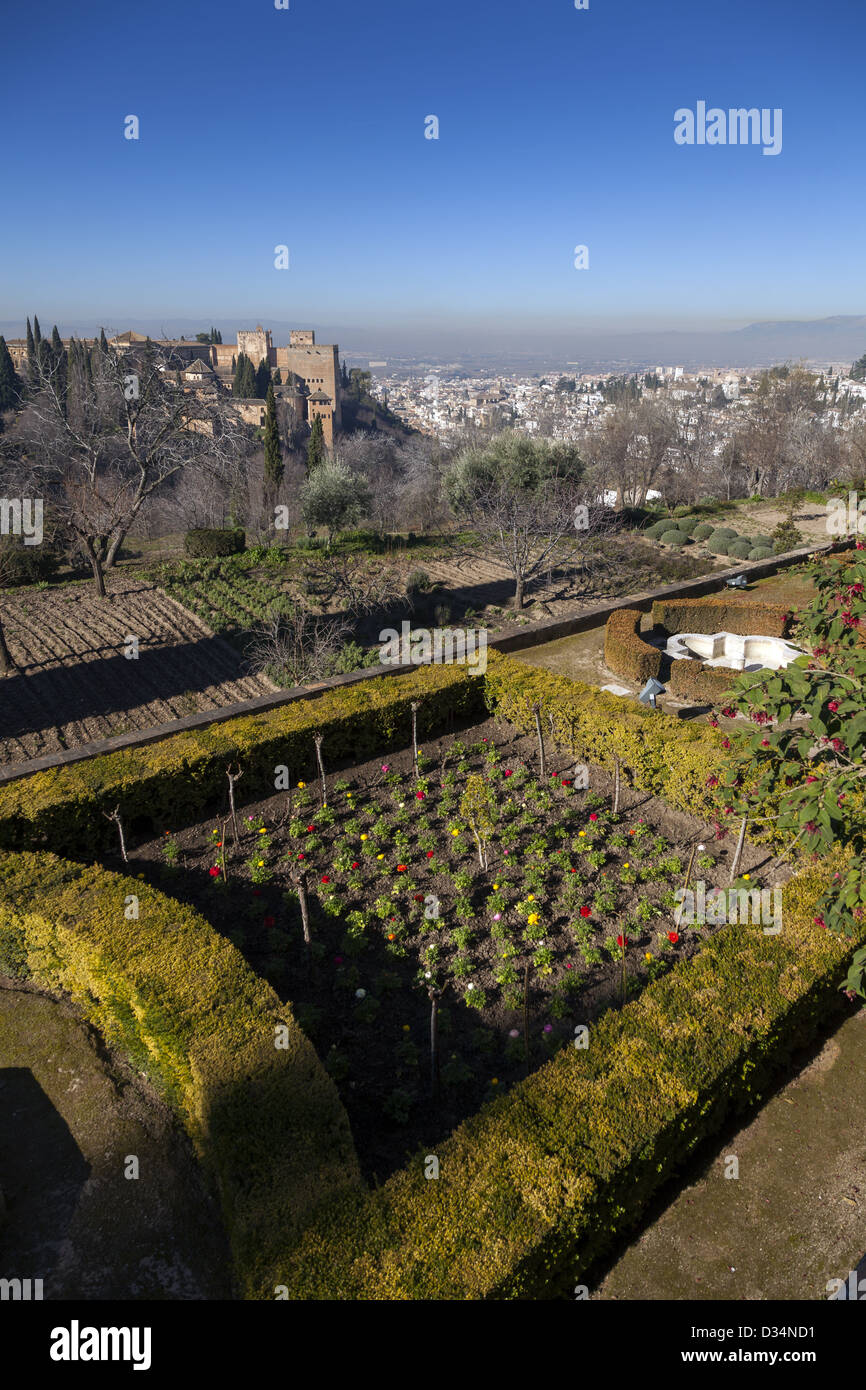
(720, 613)
(273, 451)
(786, 536)
(676, 538)
(333, 497)
(182, 1005)
(625, 652)
(202, 543)
(739, 549)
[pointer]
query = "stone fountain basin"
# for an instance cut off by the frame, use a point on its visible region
(750, 653)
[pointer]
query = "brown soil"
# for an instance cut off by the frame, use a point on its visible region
(74, 685)
(377, 1048)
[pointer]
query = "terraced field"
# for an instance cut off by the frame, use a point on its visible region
(74, 685)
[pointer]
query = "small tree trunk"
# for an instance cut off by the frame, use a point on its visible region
(319, 739)
(518, 591)
(434, 1042)
(615, 785)
(234, 777)
(301, 885)
(98, 576)
(739, 850)
(414, 708)
(537, 712)
(115, 816)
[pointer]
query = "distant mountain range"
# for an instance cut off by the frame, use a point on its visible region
(841, 338)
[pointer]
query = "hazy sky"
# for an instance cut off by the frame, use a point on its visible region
(305, 127)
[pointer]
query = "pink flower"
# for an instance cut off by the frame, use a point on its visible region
(593, 816)
(819, 921)
(419, 796)
(497, 916)
(508, 772)
(712, 781)
(833, 706)
(386, 767)
(548, 1028)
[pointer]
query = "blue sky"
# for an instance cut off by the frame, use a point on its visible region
(306, 127)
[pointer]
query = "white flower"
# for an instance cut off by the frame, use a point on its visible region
(470, 986)
(701, 846)
(360, 993)
(426, 974)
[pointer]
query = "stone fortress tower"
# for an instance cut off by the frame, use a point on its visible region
(315, 367)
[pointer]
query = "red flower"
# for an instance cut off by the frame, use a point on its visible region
(811, 827)
(765, 743)
(622, 941)
(214, 872)
(811, 779)
(311, 827)
(325, 878)
(270, 921)
(355, 864)
(673, 937)
(729, 712)
(838, 745)
(593, 816)
(585, 911)
(429, 854)
(819, 922)
(508, 772)
(401, 868)
(712, 781)
(833, 706)
(726, 743)
(302, 856)
(419, 898)
(419, 796)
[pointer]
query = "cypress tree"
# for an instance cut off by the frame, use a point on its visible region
(31, 355)
(103, 341)
(277, 377)
(273, 452)
(263, 380)
(10, 386)
(37, 333)
(238, 373)
(316, 451)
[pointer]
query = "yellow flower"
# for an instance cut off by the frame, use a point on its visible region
(648, 956)
(363, 837)
(261, 863)
(581, 832)
(406, 1028)
(747, 875)
(494, 1080)
(380, 856)
(531, 898)
(532, 918)
(455, 832)
(496, 885)
(625, 865)
(301, 784)
(262, 831)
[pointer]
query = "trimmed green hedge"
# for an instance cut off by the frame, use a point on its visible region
(664, 755)
(625, 652)
(536, 1187)
(721, 613)
(203, 544)
(176, 998)
(693, 680)
(674, 538)
(161, 785)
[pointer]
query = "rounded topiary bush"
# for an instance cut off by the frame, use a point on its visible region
(688, 525)
(702, 531)
(674, 538)
(740, 549)
(718, 545)
(761, 552)
(657, 529)
(725, 531)
(762, 541)
(204, 543)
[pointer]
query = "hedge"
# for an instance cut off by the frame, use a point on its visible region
(761, 552)
(181, 1003)
(534, 1188)
(625, 653)
(718, 613)
(718, 545)
(693, 680)
(739, 549)
(664, 755)
(203, 543)
(702, 532)
(674, 538)
(161, 785)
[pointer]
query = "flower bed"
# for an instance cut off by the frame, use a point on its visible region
(404, 896)
(535, 1188)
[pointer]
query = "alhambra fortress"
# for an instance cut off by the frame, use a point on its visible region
(309, 371)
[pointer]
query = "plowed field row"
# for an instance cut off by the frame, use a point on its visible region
(74, 685)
